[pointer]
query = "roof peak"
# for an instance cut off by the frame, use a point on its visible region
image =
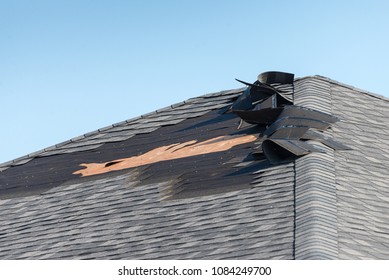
(332, 81)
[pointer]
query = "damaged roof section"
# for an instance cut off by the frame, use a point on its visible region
(262, 172)
(178, 184)
(286, 126)
(181, 153)
(172, 141)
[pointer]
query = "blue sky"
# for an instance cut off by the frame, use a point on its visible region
(70, 67)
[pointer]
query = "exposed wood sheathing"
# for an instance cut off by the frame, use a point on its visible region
(168, 152)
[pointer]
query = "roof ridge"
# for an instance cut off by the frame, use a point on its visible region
(332, 81)
(315, 188)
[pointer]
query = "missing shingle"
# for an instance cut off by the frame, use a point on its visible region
(167, 153)
(202, 163)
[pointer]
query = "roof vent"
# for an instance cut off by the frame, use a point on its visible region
(286, 127)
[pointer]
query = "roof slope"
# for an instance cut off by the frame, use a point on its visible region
(362, 175)
(181, 183)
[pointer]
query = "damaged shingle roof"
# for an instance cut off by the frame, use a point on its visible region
(140, 125)
(211, 202)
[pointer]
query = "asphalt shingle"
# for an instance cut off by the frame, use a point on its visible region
(362, 194)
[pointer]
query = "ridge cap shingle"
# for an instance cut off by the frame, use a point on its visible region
(335, 82)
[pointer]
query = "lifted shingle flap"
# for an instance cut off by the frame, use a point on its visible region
(314, 135)
(264, 105)
(279, 150)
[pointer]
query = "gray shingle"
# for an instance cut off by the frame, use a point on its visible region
(316, 209)
(362, 194)
(90, 221)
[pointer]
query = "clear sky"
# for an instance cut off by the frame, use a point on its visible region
(72, 66)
